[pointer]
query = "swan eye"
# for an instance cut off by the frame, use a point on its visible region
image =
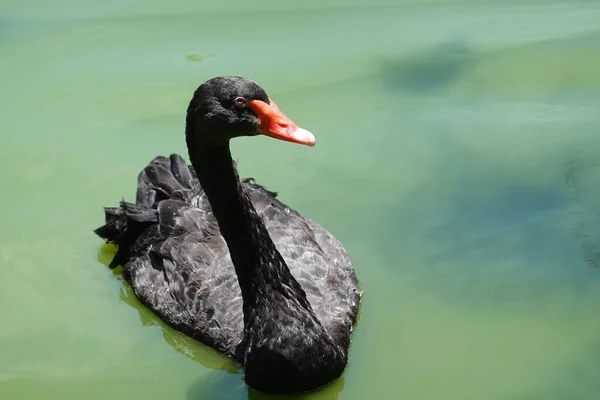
(240, 101)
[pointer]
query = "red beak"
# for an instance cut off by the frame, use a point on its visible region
(274, 123)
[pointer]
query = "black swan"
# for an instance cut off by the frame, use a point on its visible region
(228, 264)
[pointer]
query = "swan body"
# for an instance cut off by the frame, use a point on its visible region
(228, 264)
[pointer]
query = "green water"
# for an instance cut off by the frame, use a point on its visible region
(457, 159)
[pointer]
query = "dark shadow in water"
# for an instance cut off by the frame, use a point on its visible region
(581, 228)
(433, 68)
(482, 235)
(427, 70)
(232, 387)
(330, 392)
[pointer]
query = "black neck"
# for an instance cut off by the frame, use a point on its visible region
(260, 268)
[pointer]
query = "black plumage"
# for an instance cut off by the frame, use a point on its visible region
(228, 264)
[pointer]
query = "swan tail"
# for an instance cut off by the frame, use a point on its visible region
(123, 227)
(166, 178)
(163, 178)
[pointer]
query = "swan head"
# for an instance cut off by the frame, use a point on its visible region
(226, 107)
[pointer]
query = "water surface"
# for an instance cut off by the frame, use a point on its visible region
(457, 159)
